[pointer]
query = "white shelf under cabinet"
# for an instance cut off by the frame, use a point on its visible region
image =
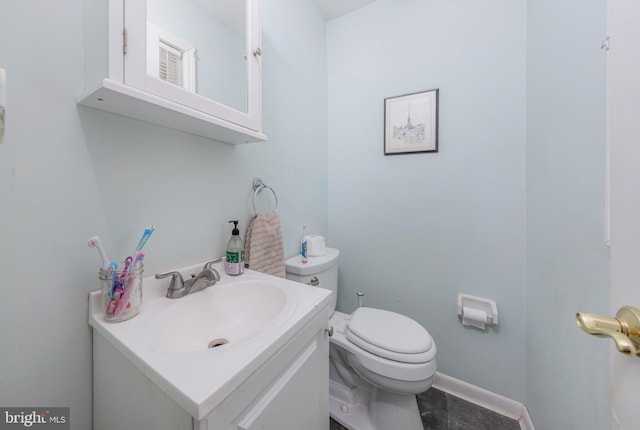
(120, 99)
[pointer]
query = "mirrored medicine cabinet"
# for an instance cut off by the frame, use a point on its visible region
(190, 65)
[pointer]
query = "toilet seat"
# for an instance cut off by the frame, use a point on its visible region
(390, 335)
(412, 377)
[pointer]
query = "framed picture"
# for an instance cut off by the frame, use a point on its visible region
(411, 123)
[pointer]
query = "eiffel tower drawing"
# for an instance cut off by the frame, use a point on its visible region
(409, 133)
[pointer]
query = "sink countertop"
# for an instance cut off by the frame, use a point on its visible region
(200, 380)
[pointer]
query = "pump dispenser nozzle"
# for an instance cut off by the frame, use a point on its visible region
(235, 231)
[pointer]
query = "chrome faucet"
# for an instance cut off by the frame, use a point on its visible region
(180, 288)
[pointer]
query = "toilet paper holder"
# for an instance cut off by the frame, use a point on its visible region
(489, 307)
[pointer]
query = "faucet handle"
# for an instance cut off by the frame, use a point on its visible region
(211, 263)
(176, 278)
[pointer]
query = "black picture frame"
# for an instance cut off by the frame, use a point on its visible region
(411, 123)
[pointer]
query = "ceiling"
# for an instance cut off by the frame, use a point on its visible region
(334, 8)
(233, 12)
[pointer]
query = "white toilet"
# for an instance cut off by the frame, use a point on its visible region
(379, 360)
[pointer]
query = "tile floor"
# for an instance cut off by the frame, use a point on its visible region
(442, 411)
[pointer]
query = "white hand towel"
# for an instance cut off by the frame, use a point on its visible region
(264, 251)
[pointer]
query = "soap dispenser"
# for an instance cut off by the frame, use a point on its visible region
(234, 264)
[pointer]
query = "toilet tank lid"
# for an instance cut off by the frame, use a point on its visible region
(314, 265)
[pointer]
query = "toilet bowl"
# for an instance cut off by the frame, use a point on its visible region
(374, 380)
(379, 360)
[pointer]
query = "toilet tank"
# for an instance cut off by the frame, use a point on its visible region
(318, 271)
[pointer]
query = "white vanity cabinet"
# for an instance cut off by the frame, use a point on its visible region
(189, 65)
(297, 398)
(288, 390)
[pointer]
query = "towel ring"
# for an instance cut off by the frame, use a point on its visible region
(258, 186)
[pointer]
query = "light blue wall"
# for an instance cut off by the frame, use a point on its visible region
(567, 264)
(68, 172)
(512, 207)
(415, 230)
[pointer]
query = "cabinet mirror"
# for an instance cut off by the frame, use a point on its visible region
(189, 65)
(200, 46)
(204, 54)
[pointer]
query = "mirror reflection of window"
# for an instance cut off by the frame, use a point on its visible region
(170, 58)
(170, 64)
(217, 30)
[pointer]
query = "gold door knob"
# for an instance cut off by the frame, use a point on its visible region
(624, 329)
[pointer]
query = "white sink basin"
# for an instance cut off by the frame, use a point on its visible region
(217, 317)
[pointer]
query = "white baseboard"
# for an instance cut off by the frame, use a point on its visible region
(488, 400)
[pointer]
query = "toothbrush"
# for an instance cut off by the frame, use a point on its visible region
(123, 275)
(118, 288)
(124, 298)
(112, 269)
(145, 237)
(94, 242)
(304, 245)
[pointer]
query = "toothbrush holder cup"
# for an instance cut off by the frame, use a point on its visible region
(121, 291)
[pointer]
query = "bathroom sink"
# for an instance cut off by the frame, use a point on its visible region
(201, 347)
(217, 317)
